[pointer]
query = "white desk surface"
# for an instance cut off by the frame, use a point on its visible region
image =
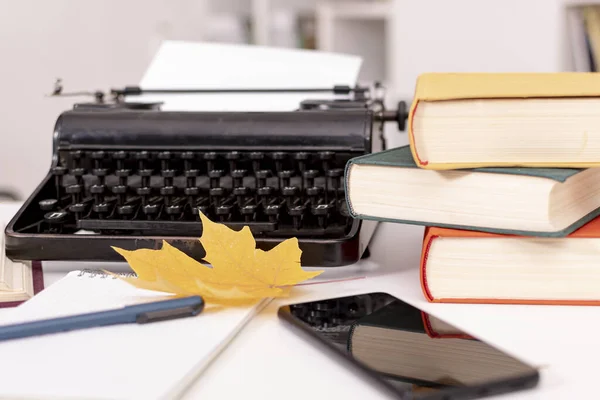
(269, 361)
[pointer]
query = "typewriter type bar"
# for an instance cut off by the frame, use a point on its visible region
(133, 178)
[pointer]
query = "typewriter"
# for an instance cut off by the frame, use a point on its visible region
(131, 175)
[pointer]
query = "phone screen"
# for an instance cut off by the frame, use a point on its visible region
(414, 354)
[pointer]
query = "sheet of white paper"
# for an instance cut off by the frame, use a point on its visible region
(129, 361)
(191, 65)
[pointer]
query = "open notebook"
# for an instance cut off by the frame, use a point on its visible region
(149, 361)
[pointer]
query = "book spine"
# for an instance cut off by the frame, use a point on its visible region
(423, 267)
(411, 136)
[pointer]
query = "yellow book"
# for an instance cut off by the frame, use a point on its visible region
(474, 120)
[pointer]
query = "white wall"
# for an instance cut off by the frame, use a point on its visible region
(90, 45)
(476, 35)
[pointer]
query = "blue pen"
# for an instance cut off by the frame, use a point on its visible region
(141, 314)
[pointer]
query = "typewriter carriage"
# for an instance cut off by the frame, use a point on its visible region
(130, 175)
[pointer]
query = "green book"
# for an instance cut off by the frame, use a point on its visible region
(550, 202)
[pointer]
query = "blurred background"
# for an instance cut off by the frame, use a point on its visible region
(102, 44)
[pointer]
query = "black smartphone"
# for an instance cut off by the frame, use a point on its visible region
(405, 351)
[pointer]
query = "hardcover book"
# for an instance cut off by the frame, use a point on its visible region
(470, 120)
(389, 186)
(459, 266)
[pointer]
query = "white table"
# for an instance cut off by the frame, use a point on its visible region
(269, 361)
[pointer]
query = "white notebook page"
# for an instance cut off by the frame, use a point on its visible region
(128, 361)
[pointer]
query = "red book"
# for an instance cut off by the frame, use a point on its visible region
(460, 266)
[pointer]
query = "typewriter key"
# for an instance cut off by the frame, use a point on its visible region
(284, 178)
(191, 175)
(125, 210)
(144, 192)
(210, 158)
(265, 192)
(216, 195)
(119, 156)
(191, 191)
(256, 156)
(289, 192)
(248, 212)
(98, 171)
(233, 157)
(97, 191)
(309, 177)
(272, 210)
(77, 209)
(313, 194)
(48, 204)
(215, 177)
(56, 219)
(151, 210)
(224, 212)
(164, 157)
(325, 157)
(296, 212)
(122, 174)
(278, 156)
(187, 155)
(74, 191)
(101, 209)
(167, 192)
(238, 177)
(121, 192)
(321, 211)
(261, 177)
(335, 175)
(173, 211)
(240, 193)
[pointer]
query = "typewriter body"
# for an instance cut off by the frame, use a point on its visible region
(131, 175)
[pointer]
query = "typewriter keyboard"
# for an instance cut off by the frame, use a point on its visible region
(277, 194)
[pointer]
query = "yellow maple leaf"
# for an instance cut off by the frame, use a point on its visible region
(239, 273)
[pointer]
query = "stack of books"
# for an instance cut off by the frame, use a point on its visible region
(503, 170)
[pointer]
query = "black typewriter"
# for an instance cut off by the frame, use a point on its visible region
(127, 174)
